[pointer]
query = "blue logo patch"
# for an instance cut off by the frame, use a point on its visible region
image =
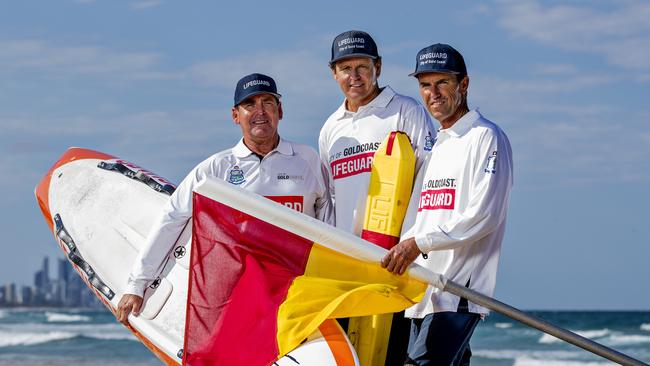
(491, 165)
(236, 176)
(428, 142)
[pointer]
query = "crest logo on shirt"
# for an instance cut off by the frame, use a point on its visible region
(236, 175)
(491, 165)
(429, 141)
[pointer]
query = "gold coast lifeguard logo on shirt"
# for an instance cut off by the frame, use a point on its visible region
(438, 194)
(356, 159)
(236, 175)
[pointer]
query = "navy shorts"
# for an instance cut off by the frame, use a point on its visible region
(441, 339)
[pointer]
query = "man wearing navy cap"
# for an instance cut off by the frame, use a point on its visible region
(262, 162)
(461, 212)
(352, 134)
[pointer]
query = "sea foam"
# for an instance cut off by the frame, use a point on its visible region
(29, 334)
(29, 339)
(511, 354)
(627, 339)
(591, 334)
(112, 336)
(503, 325)
(64, 318)
(535, 362)
(645, 327)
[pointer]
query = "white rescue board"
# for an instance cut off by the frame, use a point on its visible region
(100, 210)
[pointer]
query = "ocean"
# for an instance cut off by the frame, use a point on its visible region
(71, 337)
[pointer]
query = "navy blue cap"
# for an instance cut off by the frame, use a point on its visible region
(254, 84)
(439, 58)
(353, 44)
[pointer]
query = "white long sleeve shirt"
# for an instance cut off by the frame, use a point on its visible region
(292, 174)
(348, 141)
(462, 207)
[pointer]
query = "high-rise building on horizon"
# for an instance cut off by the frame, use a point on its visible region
(26, 295)
(66, 288)
(10, 294)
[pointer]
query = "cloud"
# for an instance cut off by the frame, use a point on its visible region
(620, 35)
(643, 78)
(145, 4)
(546, 85)
(146, 128)
(309, 94)
(295, 69)
(168, 143)
(555, 69)
(58, 60)
(558, 143)
(645, 137)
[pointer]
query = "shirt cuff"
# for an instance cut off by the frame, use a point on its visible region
(134, 288)
(422, 242)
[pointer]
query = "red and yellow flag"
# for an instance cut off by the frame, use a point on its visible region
(256, 291)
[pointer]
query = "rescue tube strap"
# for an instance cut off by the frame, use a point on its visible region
(78, 260)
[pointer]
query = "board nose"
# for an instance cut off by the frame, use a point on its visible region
(43, 187)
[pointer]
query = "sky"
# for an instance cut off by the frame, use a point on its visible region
(152, 82)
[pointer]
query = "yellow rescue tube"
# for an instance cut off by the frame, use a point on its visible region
(391, 183)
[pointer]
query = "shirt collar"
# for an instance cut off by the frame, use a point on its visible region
(241, 150)
(463, 125)
(380, 101)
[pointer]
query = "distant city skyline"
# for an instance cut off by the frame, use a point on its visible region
(66, 289)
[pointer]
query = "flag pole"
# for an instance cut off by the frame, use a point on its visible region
(542, 325)
(353, 246)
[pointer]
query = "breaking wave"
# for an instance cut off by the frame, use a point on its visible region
(627, 339)
(63, 318)
(30, 339)
(591, 334)
(33, 334)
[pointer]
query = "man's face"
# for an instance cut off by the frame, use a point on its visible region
(442, 95)
(258, 117)
(357, 78)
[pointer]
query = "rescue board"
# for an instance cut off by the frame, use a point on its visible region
(389, 192)
(100, 209)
